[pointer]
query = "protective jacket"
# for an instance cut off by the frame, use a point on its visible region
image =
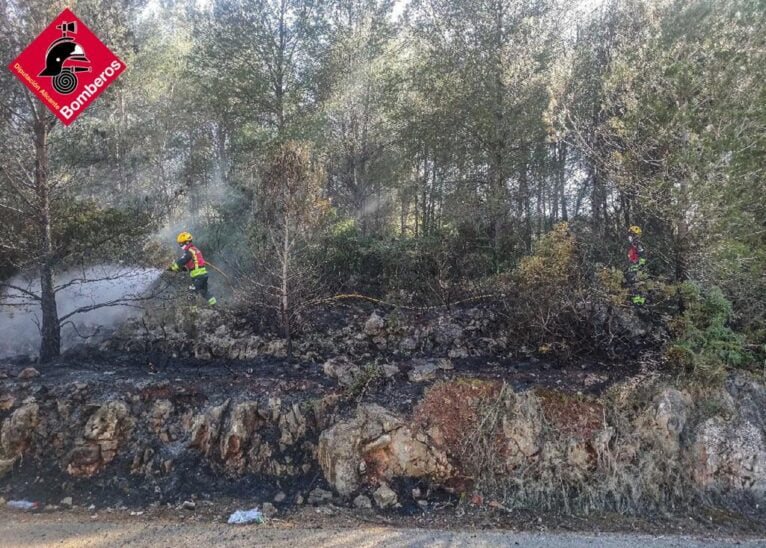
(192, 261)
(636, 252)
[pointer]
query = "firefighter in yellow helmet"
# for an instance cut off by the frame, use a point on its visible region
(193, 262)
(637, 263)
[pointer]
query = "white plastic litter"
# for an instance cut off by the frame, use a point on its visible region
(246, 516)
(22, 504)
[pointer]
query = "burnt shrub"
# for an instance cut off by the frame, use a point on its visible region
(560, 304)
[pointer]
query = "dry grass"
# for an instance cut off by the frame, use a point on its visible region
(556, 451)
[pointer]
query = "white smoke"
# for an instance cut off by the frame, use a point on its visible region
(20, 316)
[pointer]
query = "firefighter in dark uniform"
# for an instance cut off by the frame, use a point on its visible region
(193, 262)
(637, 264)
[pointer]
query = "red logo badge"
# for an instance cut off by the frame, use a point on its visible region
(67, 67)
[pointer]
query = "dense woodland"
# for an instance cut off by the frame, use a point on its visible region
(421, 152)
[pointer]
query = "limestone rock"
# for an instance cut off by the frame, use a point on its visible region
(341, 369)
(242, 422)
(260, 456)
(269, 510)
(389, 370)
(29, 373)
(6, 465)
(107, 426)
(374, 325)
(459, 352)
(206, 428)
(277, 348)
(425, 369)
(521, 430)
(17, 430)
(423, 373)
(339, 456)
(319, 496)
(7, 401)
(363, 502)
(375, 444)
(84, 460)
(408, 344)
(340, 447)
(671, 409)
(292, 425)
(104, 432)
(447, 333)
(730, 455)
(385, 496)
(161, 411)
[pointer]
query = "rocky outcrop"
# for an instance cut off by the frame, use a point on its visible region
(730, 455)
(423, 370)
(253, 437)
(670, 413)
(385, 497)
(342, 369)
(460, 434)
(17, 431)
(206, 334)
(375, 445)
(374, 325)
(104, 432)
(729, 449)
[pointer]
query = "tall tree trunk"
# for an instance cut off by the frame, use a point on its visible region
(540, 206)
(285, 303)
(681, 250)
(562, 177)
(554, 197)
(50, 342)
(404, 198)
(525, 205)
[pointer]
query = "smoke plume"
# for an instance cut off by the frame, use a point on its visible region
(90, 287)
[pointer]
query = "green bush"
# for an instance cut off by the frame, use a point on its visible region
(425, 270)
(704, 342)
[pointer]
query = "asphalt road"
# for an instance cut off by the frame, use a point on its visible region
(82, 531)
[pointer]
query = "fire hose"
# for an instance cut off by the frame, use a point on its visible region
(394, 305)
(358, 296)
(221, 272)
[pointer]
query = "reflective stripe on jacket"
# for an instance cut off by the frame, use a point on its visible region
(196, 265)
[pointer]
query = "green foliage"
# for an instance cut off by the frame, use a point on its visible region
(562, 304)
(453, 141)
(85, 231)
(704, 342)
(738, 268)
(552, 266)
(427, 270)
(612, 283)
(370, 376)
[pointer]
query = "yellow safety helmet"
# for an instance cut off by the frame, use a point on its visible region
(184, 237)
(635, 230)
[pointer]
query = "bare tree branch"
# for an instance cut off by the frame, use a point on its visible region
(21, 289)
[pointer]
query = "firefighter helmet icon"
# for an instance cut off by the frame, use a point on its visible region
(64, 59)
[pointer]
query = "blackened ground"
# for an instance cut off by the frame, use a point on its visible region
(193, 479)
(155, 376)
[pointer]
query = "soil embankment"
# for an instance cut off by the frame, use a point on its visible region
(397, 433)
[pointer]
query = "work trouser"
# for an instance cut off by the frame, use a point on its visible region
(200, 287)
(634, 278)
